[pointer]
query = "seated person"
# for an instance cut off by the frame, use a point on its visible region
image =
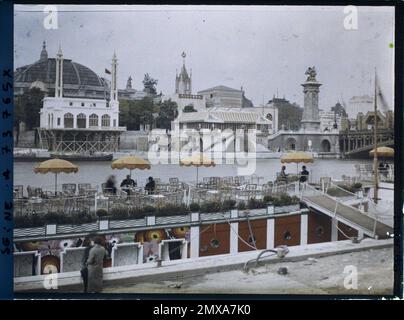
(128, 183)
(304, 175)
(110, 185)
(283, 175)
(150, 186)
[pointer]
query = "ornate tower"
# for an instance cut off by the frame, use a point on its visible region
(311, 89)
(44, 53)
(183, 82)
(129, 83)
(114, 89)
(59, 74)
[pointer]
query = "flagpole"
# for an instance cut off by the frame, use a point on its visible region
(375, 167)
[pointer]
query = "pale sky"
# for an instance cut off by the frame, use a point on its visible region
(262, 48)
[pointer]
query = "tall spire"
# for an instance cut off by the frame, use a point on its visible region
(59, 74)
(44, 53)
(114, 89)
(183, 82)
(183, 55)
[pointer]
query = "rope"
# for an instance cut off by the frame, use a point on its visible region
(242, 240)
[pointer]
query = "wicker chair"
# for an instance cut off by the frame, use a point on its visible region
(69, 188)
(19, 191)
(82, 187)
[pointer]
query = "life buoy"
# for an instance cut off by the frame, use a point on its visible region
(180, 232)
(155, 235)
(50, 264)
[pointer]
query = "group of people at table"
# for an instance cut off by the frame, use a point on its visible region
(303, 176)
(128, 184)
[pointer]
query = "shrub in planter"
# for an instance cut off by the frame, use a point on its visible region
(295, 200)
(149, 210)
(194, 207)
(119, 213)
(283, 200)
(241, 205)
(172, 210)
(28, 221)
(101, 213)
(136, 213)
(60, 218)
(255, 204)
(229, 204)
(269, 199)
(211, 206)
(357, 186)
(82, 217)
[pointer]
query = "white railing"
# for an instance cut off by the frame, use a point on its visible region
(311, 191)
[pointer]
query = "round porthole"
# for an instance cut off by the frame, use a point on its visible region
(214, 243)
(252, 240)
(287, 236)
(319, 231)
(348, 228)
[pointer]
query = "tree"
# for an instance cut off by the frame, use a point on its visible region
(168, 111)
(339, 110)
(133, 114)
(189, 108)
(290, 115)
(149, 84)
(27, 108)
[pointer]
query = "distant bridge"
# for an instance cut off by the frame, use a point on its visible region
(357, 144)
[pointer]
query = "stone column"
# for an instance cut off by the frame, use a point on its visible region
(311, 119)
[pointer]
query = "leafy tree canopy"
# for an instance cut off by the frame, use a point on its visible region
(168, 111)
(149, 84)
(27, 107)
(290, 115)
(189, 108)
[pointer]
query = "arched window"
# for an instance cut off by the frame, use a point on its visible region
(93, 120)
(81, 120)
(105, 120)
(325, 146)
(68, 120)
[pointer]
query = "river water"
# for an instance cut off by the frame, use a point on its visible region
(97, 172)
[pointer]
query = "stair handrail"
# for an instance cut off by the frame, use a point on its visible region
(370, 215)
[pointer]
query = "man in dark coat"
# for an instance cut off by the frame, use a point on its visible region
(95, 266)
(128, 183)
(150, 186)
(304, 175)
(84, 269)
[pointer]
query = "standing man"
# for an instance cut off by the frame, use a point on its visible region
(95, 266)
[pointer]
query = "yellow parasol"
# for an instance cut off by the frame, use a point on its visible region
(130, 162)
(197, 160)
(383, 152)
(297, 157)
(56, 166)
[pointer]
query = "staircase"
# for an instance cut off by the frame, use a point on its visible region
(353, 217)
